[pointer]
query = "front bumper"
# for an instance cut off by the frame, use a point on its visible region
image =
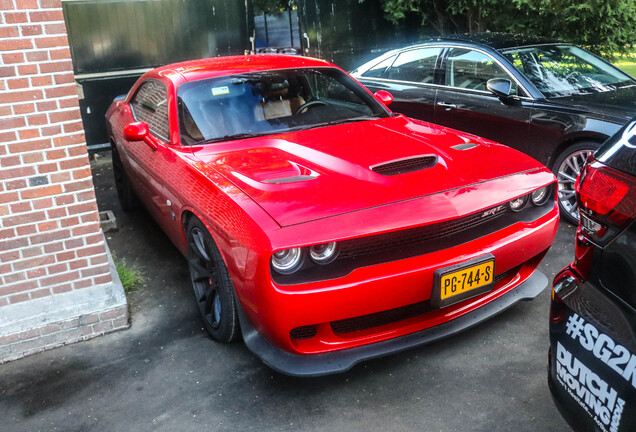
(343, 360)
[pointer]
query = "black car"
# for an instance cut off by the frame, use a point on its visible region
(554, 101)
(592, 357)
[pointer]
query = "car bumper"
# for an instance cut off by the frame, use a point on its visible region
(343, 360)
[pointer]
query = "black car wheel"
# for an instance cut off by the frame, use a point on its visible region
(212, 285)
(127, 197)
(567, 168)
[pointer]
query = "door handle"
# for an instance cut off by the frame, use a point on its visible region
(446, 105)
(306, 36)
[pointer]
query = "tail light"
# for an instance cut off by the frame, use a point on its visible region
(607, 199)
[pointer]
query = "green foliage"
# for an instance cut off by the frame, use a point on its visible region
(600, 25)
(131, 276)
(272, 6)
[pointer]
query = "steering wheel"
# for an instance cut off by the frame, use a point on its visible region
(307, 105)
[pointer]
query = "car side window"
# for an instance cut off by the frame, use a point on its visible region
(377, 71)
(150, 105)
(470, 69)
(416, 65)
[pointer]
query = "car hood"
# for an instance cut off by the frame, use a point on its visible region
(619, 105)
(302, 176)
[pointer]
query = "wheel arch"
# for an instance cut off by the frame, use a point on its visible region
(597, 139)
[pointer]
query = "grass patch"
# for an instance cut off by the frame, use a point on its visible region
(131, 276)
(626, 63)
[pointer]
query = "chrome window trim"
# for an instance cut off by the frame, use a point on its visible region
(525, 98)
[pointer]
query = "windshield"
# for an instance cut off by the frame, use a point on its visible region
(563, 70)
(267, 102)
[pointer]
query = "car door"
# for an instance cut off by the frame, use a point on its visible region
(411, 77)
(153, 170)
(464, 102)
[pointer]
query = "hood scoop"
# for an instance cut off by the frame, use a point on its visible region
(464, 146)
(405, 165)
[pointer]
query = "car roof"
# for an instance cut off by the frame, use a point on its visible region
(494, 40)
(219, 66)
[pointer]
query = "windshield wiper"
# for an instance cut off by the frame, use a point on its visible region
(237, 136)
(338, 122)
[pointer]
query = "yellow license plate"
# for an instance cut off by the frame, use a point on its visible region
(463, 281)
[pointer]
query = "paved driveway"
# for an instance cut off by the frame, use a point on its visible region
(165, 374)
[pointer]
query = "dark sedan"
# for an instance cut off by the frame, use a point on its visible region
(592, 361)
(554, 101)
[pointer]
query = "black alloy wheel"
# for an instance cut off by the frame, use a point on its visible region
(213, 289)
(125, 194)
(566, 169)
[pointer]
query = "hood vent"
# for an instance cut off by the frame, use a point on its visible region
(464, 146)
(406, 165)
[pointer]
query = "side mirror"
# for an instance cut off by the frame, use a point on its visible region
(138, 131)
(385, 97)
(500, 87)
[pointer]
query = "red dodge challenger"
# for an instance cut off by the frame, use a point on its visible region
(320, 225)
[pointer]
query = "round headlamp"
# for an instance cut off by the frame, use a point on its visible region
(540, 196)
(287, 261)
(518, 203)
(324, 253)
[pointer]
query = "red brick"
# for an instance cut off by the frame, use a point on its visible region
(57, 213)
(61, 177)
(12, 123)
(29, 334)
(41, 16)
(74, 243)
(49, 237)
(32, 252)
(19, 298)
(103, 279)
(45, 292)
(29, 69)
(12, 255)
(55, 29)
(61, 257)
(81, 173)
(53, 248)
(77, 264)
(8, 197)
(47, 168)
(64, 116)
(46, 105)
(56, 92)
(27, 134)
(51, 4)
(60, 54)
(7, 136)
(15, 18)
(82, 283)
(47, 226)
(18, 83)
(94, 239)
(37, 56)
(13, 57)
(12, 173)
(83, 230)
(42, 203)
(51, 42)
(22, 96)
(68, 222)
(27, 4)
(77, 186)
(19, 287)
(36, 273)
(28, 146)
(69, 103)
(26, 230)
(5, 111)
(62, 288)
(41, 192)
(100, 259)
(15, 184)
(92, 217)
(41, 81)
(9, 32)
(14, 278)
(31, 30)
(23, 219)
(37, 120)
(56, 66)
(31, 158)
(73, 127)
(65, 78)
(51, 130)
(86, 207)
(60, 278)
(93, 250)
(69, 140)
(76, 150)
(54, 154)
(26, 108)
(8, 71)
(21, 207)
(10, 161)
(59, 268)
(4, 210)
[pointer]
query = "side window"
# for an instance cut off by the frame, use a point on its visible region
(417, 65)
(378, 70)
(470, 69)
(150, 105)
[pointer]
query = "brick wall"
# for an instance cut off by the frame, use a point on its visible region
(52, 251)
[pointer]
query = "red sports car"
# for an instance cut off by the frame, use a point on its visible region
(317, 223)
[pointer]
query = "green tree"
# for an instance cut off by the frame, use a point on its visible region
(604, 26)
(272, 6)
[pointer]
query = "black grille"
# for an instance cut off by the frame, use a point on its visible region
(418, 235)
(304, 332)
(403, 166)
(364, 322)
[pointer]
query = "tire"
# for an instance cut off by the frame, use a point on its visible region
(127, 197)
(211, 283)
(566, 169)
